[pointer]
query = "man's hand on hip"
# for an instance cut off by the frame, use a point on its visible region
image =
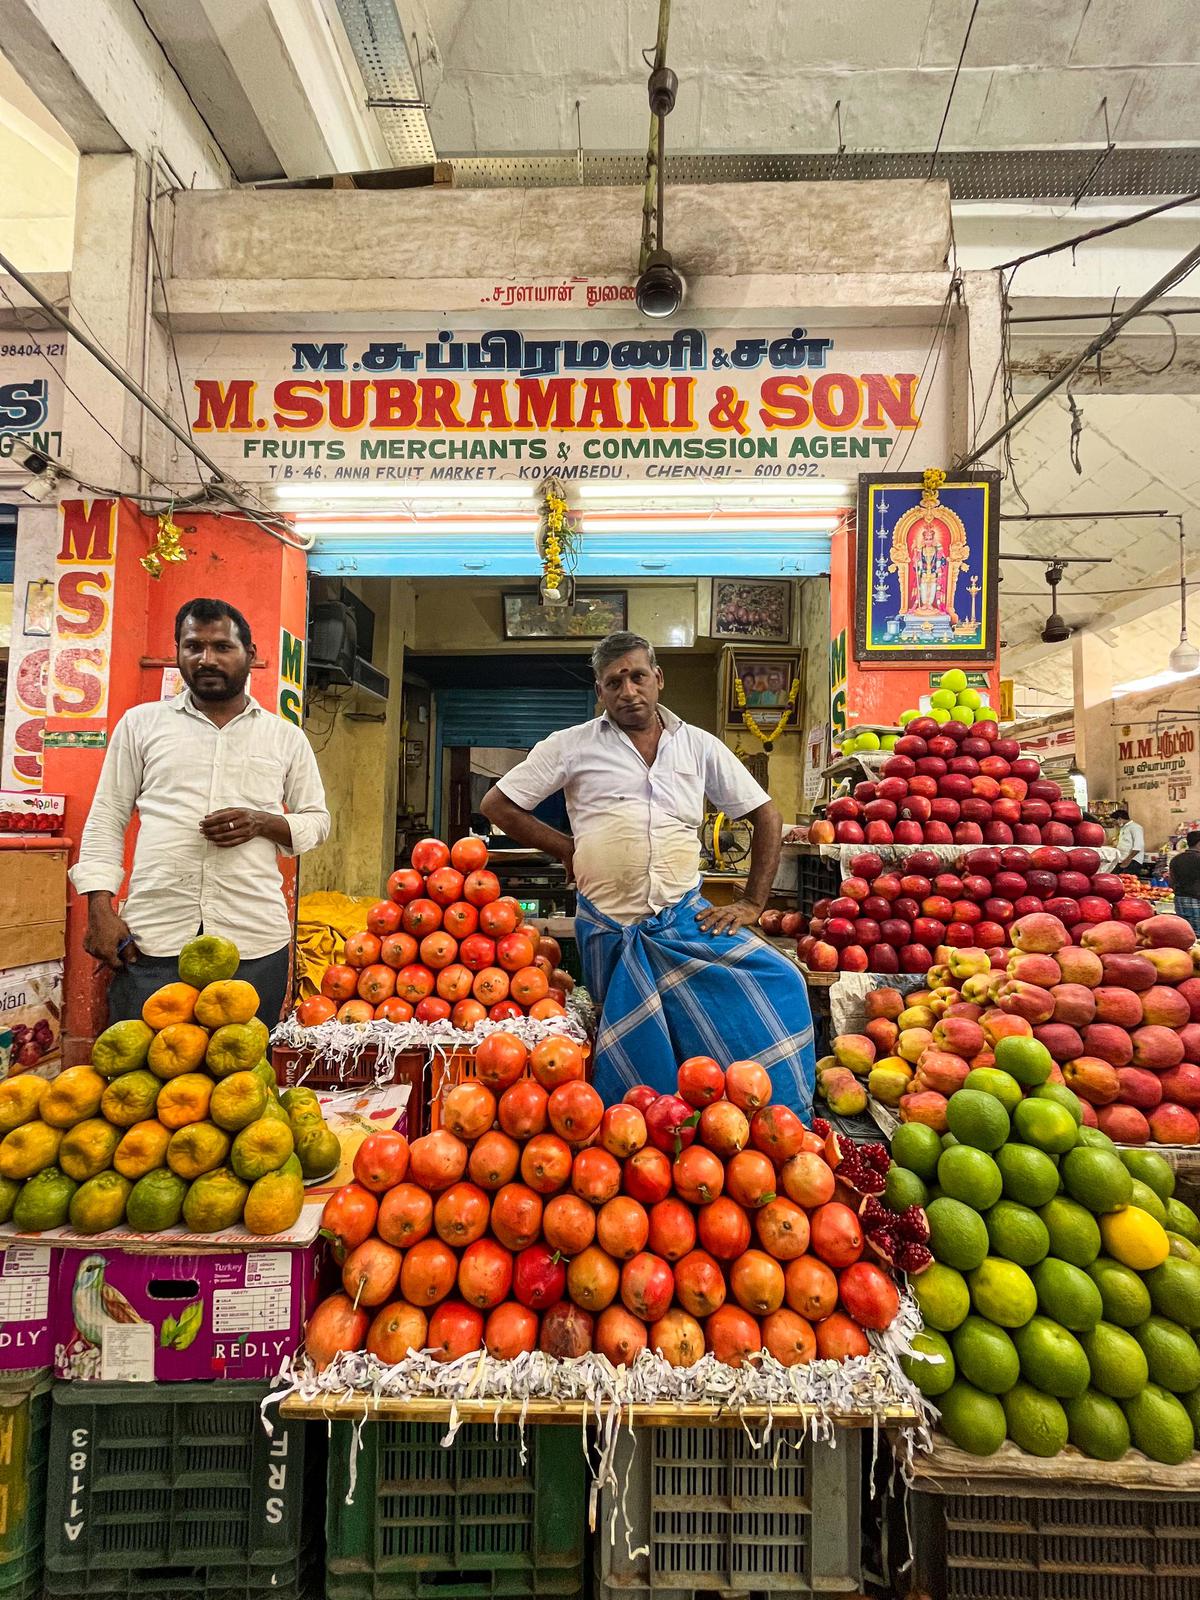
(728, 919)
(108, 938)
(228, 828)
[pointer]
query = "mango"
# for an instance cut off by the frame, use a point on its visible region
(855, 1051)
(844, 1093)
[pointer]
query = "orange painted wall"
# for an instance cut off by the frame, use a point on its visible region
(228, 559)
(865, 693)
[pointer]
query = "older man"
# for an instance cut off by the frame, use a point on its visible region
(676, 976)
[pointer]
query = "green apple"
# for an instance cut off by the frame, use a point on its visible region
(944, 698)
(908, 716)
(939, 714)
(868, 740)
(962, 714)
(970, 697)
(955, 680)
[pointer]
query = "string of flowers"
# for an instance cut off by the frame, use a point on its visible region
(764, 736)
(556, 535)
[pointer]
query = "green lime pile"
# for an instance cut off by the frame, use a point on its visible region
(952, 701)
(1063, 1303)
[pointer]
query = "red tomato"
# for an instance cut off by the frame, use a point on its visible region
(430, 854)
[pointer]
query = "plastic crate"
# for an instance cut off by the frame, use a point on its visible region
(173, 1491)
(1060, 1545)
(465, 1520)
(713, 1513)
(24, 1441)
(306, 1066)
(817, 878)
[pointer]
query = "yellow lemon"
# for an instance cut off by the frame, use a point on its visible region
(1134, 1238)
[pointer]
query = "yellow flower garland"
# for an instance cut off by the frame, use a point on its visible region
(767, 740)
(555, 530)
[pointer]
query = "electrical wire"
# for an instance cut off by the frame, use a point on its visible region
(953, 86)
(935, 345)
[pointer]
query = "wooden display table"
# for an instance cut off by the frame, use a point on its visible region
(570, 1413)
(948, 1470)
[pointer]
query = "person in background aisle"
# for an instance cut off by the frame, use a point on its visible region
(1131, 843)
(209, 774)
(676, 976)
(1185, 881)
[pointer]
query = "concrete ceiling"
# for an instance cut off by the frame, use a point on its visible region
(766, 75)
(38, 165)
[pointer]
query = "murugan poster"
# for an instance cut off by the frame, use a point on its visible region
(928, 549)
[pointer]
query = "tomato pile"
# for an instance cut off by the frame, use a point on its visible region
(534, 1218)
(445, 945)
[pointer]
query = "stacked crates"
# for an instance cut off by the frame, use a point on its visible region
(24, 1440)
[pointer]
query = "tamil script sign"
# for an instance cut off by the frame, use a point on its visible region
(688, 403)
(1162, 757)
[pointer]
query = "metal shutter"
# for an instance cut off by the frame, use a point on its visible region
(508, 719)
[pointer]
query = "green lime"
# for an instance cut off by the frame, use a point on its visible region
(1066, 1294)
(1147, 1199)
(977, 1119)
(942, 1297)
(1036, 1422)
(1029, 1176)
(1096, 1426)
(1182, 1219)
(1125, 1298)
(1117, 1360)
(986, 1356)
(1183, 1248)
(1016, 1233)
(1052, 1359)
(1024, 1058)
(990, 1080)
(1002, 1292)
(1175, 1290)
(1161, 1427)
(958, 1236)
(916, 1146)
(1149, 1167)
(1074, 1233)
(969, 1175)
(1191, 1404)
(973, 1420)
(935, 1374)
(1171, 1354)
(1045, 1125)
(1062, 1096)
(1098, 1179)
(904, 1189)
(1094, 1139)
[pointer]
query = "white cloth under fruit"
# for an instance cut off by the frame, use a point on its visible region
(637, 849)
(171, 765)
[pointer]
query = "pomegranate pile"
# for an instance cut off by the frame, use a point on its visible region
(706, 1221)
(890, 917)
(951, 783)
(445, 946)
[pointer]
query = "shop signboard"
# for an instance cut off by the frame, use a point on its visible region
(788, 401)
(34, 575)
(1161, 760)
(31, 397)
(81, 642)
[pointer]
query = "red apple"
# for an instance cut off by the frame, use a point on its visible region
(880, 810)
(938, 907)
(915, 957)
(1044, 789)
(1108, 886)
(875, 906)
(1049, 858)
(928, 931)
(823, 957)
(986, 729)
(1057, 833)
(996, 832)
(925, 783)
(922, 728)
(974, 746)
(1006, 809)
(973, 809)
(970, 832)
(1065, 909)
(864, 791)
(985, 788)
(1066, 811)
(883, 958)
(1026, 904)
(966, 765)
(905, 906)
(848, 833)
(938, 833)
(900, 763)
(916, 808)
(994, 766)
(887, 885)
(866, 864)
(961, 935)
(866, 932)
(984, 862)
(855, 888)
(853, 959)
(942, 745)
(908, 833)
(1093, 908)
(1039, 882)
(977, 887)
(998, 910)
(1008, 748)
(916, 886)
(1085, 861)
(877, 832)
(927, 862)
(954, 786)
(1026, 767)
(1088, 833)
(843, 809)
(944, 809)
(891, 789)
(1009, 884)
(895, 931)
(988, 935)
(839, 932)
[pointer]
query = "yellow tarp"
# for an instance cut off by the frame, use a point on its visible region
(324, 921)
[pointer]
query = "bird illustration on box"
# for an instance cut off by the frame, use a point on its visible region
(96, 1305)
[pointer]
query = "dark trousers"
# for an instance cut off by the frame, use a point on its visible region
(132, 986)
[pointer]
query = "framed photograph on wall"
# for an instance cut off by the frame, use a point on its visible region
(756, 610)
(766, 677)
(927, 568)
(596, 613)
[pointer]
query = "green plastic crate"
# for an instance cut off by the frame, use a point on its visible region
(24, 1440)
(173, 1490)
(468, 1520)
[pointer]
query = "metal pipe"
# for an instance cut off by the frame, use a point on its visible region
(1167, 281)
(106, 361)
(1078, 516)
(653, 191)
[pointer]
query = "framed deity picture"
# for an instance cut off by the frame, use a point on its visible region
(757, 611)
(771, 682)
(928, 559)
(595, 614)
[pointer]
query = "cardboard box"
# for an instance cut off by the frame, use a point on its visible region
(28, 1277)
(33, 887)
(135, 1318)
(31, 813)
(30, 1017)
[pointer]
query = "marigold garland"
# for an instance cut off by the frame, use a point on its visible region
(765, 738)
(556, 533)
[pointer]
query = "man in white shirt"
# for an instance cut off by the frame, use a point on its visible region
(675, 975)
(209, 774)
(1131, 842)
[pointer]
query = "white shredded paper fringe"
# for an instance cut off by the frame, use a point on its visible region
(866, 1387)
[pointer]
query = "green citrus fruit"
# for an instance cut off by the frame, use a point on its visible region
(904, 1188)
(935, 1375)
(1117, 1360)
(1094, 1139)
(1125, 1298)
(990, 1080)
(1003, 1292)
(986, 1356)
(1161, 1427)
(1023, 1058)
(1146, 1199)
(1045, 1125)
(1017, 1233)
(1175, 1291)
(969, 1175)
(1098, 1179)
(1149, 1167)
(1036, 1422)
(977, 1119)
(1052, 1359)
(1074, 1234)
(958, 1235)
(942, 1296)
(1171, 1354)
(1066, 1294)
(1062, 1096)
(1029, 1176)
(973, 1420)
(1096, 1426)
(1182, 1219)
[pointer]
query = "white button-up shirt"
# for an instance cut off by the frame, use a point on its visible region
(637, 849)
(168, 762)
(1131, 843)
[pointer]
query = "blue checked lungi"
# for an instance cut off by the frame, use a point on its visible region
(1187, 906)
(669, 991)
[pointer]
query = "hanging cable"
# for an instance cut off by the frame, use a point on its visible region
(953, 86)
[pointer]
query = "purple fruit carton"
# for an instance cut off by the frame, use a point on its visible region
(28, 1277)
(175, 1307)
